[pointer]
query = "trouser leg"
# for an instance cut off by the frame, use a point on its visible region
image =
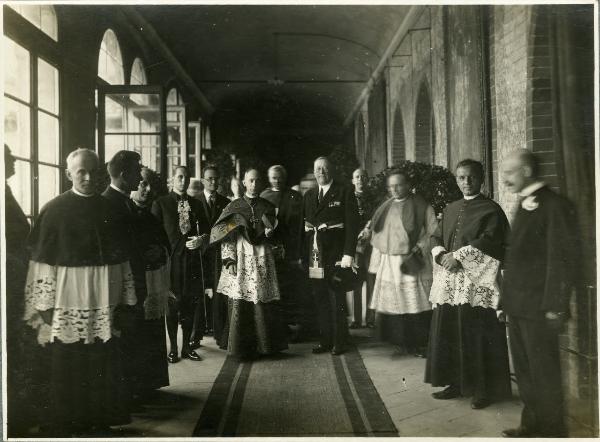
(338, 317)
(357, 303)
(173, 322)
(323, 304)
(187, 314)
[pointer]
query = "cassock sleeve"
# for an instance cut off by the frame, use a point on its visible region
(436, 240)
(351, 223)
(430, 227)
(491, 240)
(157, 211)
(562, 259)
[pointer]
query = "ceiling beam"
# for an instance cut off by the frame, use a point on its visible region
(409, 20)
(156, 41)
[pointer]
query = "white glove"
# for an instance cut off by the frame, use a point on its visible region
(347, 261)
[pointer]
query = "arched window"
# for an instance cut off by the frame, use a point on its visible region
(174, 98)
(398, 143)
(110, 62)
(424, 131)
(42, 17)
(138, 73)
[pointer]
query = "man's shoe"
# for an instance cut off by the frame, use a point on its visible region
(479, 403)
(336, 351)
(191, 355)
(172, 357)
(370, 325)
(450, 392)
(195, 344)
(355, 325)
(517, 432)
(321, 349)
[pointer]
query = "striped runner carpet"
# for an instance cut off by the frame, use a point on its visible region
(295, 393)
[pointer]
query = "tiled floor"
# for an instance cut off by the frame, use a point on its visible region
(415, 413)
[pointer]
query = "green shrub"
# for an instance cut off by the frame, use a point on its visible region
(434, 183)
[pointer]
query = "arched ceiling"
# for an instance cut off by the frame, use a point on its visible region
(281, 79)
(322, 53)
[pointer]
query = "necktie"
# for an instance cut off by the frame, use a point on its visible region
(211, 205)
(320, 195)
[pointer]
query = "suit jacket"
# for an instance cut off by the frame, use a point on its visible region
(123, 209)
(212, 260)
(338, 206)
(542, 259)
(290, 230)
(165, 209)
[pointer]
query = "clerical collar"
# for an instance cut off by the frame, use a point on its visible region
(275, 190)
(251, 198)
(528, 190)
(325, 187)
(471, 197)
(399, 200)
(207, 194)
(122, 192)
(81, 194)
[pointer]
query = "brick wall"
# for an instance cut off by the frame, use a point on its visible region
(509, 83)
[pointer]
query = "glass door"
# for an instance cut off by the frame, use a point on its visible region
(133, 118)
(194, 148)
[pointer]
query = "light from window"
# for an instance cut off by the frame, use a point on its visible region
(138, 73)
(42, 17)
(110, 62)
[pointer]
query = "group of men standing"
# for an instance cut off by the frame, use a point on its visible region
(105, 271)
(453, 284)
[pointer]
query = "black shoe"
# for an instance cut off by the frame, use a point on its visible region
(450, 392)
(355, 325)
(517, 432)
(370, 325)
(479, 403)
(191, 355)
(321, 349)
(172, 357)
(337, 350)
(195, 344)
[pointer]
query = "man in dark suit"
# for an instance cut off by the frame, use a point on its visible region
(213, 315)
(124, 170)
(330, 213)
(287, 239)
(540, 275)
(187, 228)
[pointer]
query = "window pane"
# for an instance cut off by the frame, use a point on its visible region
(115, 116)
(47, 86)
(17, 128)
(20, 184)
(47, 138)
(113, 144)
(148, 147)
(16, 70)
(110, 61)
(48, 183)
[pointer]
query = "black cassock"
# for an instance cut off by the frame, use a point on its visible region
(467, 344)
(152, 344)
(85, 376)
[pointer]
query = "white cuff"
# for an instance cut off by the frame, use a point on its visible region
(437, 250)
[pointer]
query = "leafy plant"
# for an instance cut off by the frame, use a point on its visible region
(436, 184)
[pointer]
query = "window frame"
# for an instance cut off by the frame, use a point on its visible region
(40, 46)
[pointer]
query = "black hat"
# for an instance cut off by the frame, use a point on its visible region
(343, 279)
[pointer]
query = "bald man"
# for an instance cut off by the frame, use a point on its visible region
(79, 275)
(541, 272)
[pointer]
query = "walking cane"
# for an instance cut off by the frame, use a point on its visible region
(202, 276)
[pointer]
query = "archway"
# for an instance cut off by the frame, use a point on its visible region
(398, 142)
(424, 136)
